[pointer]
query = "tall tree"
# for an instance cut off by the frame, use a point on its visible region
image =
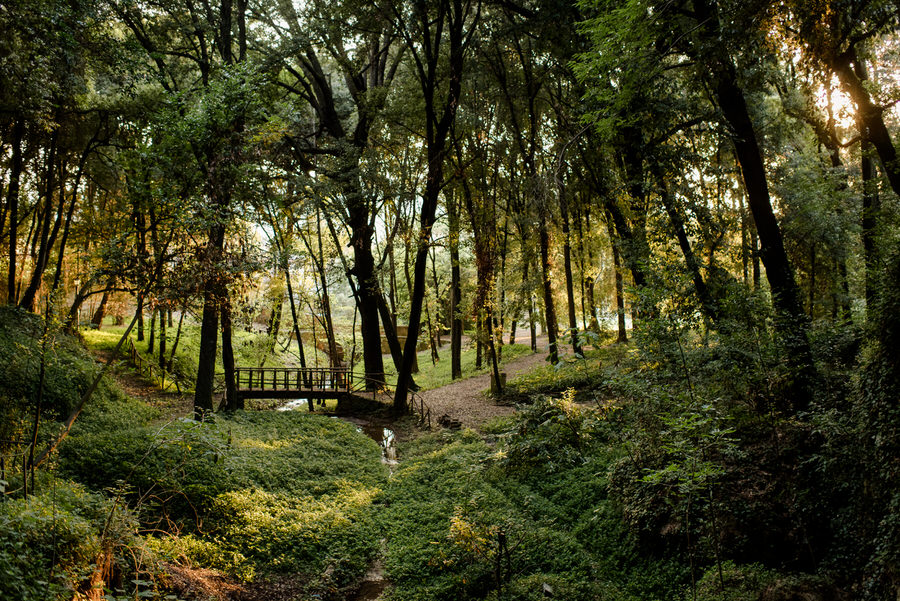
(438, 36)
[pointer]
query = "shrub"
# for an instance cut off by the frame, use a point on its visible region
(53, 543)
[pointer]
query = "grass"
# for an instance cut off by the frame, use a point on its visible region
(454, 495)
(584, 375)
(438, 374)
(250, 347)
(265, 495)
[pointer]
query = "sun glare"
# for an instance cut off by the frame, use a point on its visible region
(842, 108)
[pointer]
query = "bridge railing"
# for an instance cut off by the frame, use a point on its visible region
(337, 379)
(150, 370)
(416, 404)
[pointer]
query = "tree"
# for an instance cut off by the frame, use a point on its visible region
(704, 45)
(429, 30)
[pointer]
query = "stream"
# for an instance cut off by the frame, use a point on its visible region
(385, 438)
(373, 583)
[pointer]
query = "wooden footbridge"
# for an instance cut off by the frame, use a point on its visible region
(293, 382)
(313, 383)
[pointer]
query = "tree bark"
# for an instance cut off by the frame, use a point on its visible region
(532, 322)
(871, 205)
(152, 341)
(170, 365)
(456, 325)
(438, 120)
(140, 317)
(29, 296)
(870, 116)
(707, 303)
(100, 313)
(366, 288)
(232, 401)
(162, 337)
(206, 359)
(293, 305)
(567, 267)
(209, 324)
(547, 286)
(620, 287)
(12, 202)
(792, 323)
(326, 303)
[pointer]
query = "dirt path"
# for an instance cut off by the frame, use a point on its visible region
(468, 400)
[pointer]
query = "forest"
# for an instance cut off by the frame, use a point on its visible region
(449, 300)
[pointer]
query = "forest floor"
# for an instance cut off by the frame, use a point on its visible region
(469, 401)
(172, 403)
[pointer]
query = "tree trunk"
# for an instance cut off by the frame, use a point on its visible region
(392, 283)
(209, 324)
(170, 365)
(456, 325)
(390, 334)
(792, 323)
(100, 313)
(293, 305)
(567, 267)
(547, 285)
(869, 115)
(871, 205)
(431, 342)
(151, 343)
(367, 291)
(206, 359)
(438, 121)
(620, 288)
(140, 317)
(437, 296)
(232, 401)
(529, 298)
(162, 337)
(29, 296)
(707, 303)
(333, 359)
(12, 203)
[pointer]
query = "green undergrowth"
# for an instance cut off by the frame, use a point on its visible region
(456, 496)
(68, 372)
(249, 494)
(52, 543)
(583, 374)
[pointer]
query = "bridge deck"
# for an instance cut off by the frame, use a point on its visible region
(292, 382)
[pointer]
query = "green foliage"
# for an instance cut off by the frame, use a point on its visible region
(742, 583)
(251, 493)
(69, 371)
(250, 349)
(583, 375)
(453, 496)
(52, 542)
(551, 434)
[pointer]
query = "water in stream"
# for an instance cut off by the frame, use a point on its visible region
(385, 438)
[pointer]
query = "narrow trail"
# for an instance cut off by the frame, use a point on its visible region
(468, 400)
